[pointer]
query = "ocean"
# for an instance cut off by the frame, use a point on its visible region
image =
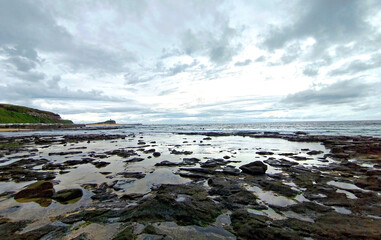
(347, 128)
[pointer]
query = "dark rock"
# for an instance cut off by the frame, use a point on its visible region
(100, 164)
(231, 171)
(174, 151)
(264, 153)
(280, 163)
(67, 195)
(168, 164)
(122, 153)
(190, 161)
(369, 183)
(254, 168)
(300, 158)
(212, 163)
(314, 152)
(42, 189)
(132, 174)
(193, 175)
(277, 187)
(156, 154)
(132, 196)
(287, 154)
(65, 153)
(256, 227)
(198, 170)
(196, 210)
(207, 138)
(152, 150)
(136, 159)
(39, 192)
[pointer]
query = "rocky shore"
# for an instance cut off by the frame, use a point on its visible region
(194, 185)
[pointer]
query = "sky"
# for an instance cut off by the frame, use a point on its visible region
(180, 61)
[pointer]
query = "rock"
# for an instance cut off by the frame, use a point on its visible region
(193, 175)
(122, 153)
(190, 161)
(212, 163)
(254, 168)
(198, 170)
(277, 187)
(132, 196)
(39, 192)
(167, 164)
(42, 189)
(300, 158)
(369, 183)
(65, 153)
(136, 159)
(156, 154)
(132, 174)
(152, 150)
(264, 153)
(287, 154)
(280, 163)
(256, 227)
(174, 151)
(100, 164)
(231, 171)
(67, 195)
(197, 209)
(207, 138)
(314, 152)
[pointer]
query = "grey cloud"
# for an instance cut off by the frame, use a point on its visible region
(30, 26)
(292, 52)
(311, 70)
(357, 66)
(22, 64)
(324, 20)
(31, 76)
(168, 91)
(51, 90)
(178, 68)
(243, 63)
(342, 92)
(216, 43)
(260, 59)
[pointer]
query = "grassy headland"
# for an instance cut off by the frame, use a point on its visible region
(19, 114)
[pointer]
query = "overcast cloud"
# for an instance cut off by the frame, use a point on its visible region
(193, 61)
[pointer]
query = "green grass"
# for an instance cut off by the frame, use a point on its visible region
(19, 114)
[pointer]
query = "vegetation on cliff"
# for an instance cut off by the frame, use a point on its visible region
(19, 114)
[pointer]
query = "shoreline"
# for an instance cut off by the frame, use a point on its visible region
(199, 183)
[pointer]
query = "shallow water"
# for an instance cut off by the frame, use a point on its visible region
(241, 150)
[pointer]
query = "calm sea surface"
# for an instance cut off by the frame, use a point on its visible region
(348, 128)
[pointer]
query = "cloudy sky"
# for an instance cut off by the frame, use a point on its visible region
(186, 61)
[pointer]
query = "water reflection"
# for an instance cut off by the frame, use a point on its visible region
(43, 193)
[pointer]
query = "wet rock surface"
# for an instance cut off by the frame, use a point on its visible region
(131, 186)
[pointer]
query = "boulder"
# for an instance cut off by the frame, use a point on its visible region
(254, 168)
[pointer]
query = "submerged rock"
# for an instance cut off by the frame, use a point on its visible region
(42, 189)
